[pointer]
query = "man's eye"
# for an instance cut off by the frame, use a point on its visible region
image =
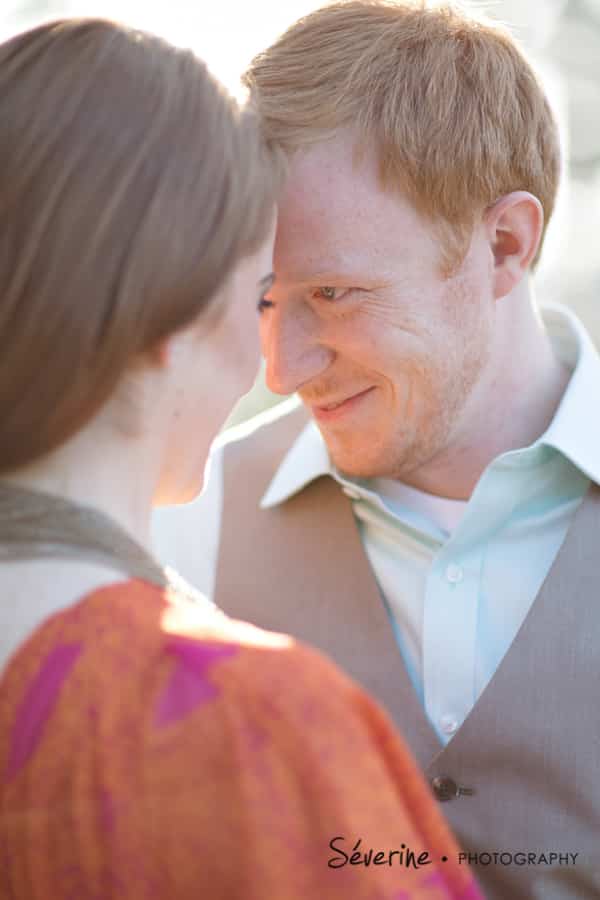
(329, 293)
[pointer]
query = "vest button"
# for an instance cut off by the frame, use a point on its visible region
(444, 787)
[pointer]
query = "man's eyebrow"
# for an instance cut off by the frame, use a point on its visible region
(342, 271)
(342, 277)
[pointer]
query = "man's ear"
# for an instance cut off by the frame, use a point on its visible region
(514, 226)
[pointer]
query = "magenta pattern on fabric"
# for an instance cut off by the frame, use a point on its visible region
(37, 705)
(189, 686)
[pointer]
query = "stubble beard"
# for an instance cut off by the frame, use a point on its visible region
(438, 414)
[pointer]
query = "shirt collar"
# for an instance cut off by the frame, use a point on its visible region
(573, 431)
(306, 460)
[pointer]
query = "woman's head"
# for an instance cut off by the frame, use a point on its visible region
(134, 199)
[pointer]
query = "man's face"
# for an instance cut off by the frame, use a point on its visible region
(383, 350)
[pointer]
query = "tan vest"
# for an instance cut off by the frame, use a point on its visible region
(530, 748)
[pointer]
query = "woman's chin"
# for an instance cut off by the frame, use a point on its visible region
(179, 494)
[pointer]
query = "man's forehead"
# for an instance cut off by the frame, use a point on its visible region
(326, 176)
(327, 185)
(335, 219)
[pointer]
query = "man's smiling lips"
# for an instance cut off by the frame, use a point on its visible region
(328, 412)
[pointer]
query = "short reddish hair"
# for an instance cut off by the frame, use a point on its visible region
(450, 103)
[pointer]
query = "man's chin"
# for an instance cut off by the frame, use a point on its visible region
(356, 464)
(356, 452)
(367, 460)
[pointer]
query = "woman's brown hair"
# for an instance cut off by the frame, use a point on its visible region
(130, 185)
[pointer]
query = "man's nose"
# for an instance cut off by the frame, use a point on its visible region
(291, 347)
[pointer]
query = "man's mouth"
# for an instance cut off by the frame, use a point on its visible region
(329, 406)
(336, 408)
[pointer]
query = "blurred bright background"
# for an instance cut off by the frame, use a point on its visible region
(562, 37)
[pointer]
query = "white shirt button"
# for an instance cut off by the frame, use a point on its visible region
(454, 573)
(350, 492)
(448, 724)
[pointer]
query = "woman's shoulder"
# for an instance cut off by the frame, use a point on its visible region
(132, 651)
(151, 626)
(161, 662)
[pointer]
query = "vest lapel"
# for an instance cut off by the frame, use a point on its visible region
(314, 580)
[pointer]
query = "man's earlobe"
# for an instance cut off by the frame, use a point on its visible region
(514, 225)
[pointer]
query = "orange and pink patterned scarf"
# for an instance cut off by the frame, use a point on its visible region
(150, 749)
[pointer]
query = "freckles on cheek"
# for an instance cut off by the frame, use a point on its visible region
(359, 341)
(408, 387)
